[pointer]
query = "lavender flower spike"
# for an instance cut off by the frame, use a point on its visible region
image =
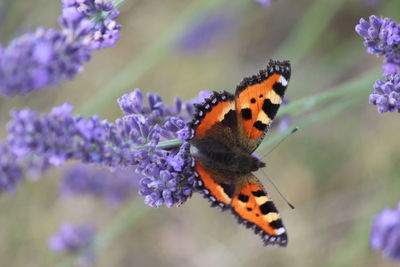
(386, 95)
(385, 233)
(131, 142)
(382, 38)
(264, 2)
(11, 172)
(47, 56)
(74, 239)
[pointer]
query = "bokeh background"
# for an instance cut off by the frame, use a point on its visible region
(338, 172)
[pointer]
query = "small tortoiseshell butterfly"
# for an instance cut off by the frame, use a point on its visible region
(225, 131)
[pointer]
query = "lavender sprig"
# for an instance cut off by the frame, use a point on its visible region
(11, 173)
(386, 95)
(74, 239)
(47, 56)
(132, 141)
(385, 233)
(382, 38)
(264, 2)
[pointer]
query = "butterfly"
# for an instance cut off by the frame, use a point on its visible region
(226, 129)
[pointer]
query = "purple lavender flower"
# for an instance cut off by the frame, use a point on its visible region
(385, 233)
(132, 141)
(48, 56)
(206, 32)
(382, 38)
(169, 178)
(264, 2)
(114, 186)
(72, 238)
(386, 95)
(11, 172)
(104, 31)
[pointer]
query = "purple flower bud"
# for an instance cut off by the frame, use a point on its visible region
(381, 37)
(72, 238)
(385, 233)
(386, 95)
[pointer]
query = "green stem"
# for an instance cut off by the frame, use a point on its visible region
(326, 113)
(358, 84)
(148, 58)
(118, 2)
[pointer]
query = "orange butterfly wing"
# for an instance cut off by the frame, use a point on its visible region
(258, 99)
(225, 126)
(256, 210)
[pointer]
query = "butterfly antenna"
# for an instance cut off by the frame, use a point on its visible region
(295, 129)
(277, 190)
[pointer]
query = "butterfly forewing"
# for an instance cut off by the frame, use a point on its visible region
(258, 99)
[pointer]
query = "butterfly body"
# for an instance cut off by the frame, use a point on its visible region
(225, 131)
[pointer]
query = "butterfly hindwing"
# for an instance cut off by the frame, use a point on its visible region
(256, 210)
(214, 185)
(257, 100)
(246, 198)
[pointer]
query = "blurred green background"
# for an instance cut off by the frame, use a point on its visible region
(338, 172)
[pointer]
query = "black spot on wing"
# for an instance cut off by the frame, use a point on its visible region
(253, 100)
(276, 224)
(230, 119)
(258, 193)
(249, 209)
(279, 89)
(268, 207)
(243, 198)
(259, 125)
(270, 109)
(246, 113)
(228, 189)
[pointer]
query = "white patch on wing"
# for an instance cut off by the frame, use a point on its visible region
(283, 81)
(263, 117)
(261, 200)
(274, 97)
(280, 231)
(271, 216)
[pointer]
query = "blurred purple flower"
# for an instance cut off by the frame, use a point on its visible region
(72, 238)
(114, 186)
(129, 142)
(382, 38)
(48, 56)
(207, 31)
(11, 172)
(385, 233)
(386, 95)
(264, 2)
